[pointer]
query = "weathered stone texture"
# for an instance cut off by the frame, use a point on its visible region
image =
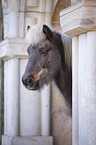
(58, 5)
(74, 1)
(77, 18)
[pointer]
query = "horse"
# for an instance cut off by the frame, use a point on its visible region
(49, 59)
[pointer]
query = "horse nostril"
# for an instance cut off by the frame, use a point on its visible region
(27, 81)
(30, 81)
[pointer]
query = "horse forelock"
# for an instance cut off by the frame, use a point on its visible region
(35, 34)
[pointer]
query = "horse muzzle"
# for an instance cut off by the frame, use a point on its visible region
(30, 83)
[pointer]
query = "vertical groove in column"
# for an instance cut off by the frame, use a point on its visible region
(5, 97)
(82, 93)
(75, 135)
(45, 111)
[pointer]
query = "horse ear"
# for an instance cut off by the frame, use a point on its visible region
(47, 32)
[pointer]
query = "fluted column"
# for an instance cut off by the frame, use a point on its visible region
(75, 89)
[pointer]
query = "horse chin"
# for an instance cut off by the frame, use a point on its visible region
(32, 88)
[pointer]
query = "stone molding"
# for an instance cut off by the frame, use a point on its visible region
(13, 48)
(35, 140)
(79, 18)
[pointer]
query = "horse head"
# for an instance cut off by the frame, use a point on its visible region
(45, 60)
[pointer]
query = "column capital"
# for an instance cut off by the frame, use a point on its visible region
(79, 18)
(13, 48)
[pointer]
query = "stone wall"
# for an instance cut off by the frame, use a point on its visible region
(58, 5)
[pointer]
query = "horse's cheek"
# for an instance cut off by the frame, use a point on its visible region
(43, 61)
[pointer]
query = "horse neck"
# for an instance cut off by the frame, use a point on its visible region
(64, 83)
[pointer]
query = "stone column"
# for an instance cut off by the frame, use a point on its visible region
(12, 84)
(11, 91)
(79, 21)
(11, 66)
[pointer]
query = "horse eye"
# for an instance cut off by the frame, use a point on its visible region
(43, 52)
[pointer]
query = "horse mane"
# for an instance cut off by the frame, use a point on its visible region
(67, 45)
(35, 35)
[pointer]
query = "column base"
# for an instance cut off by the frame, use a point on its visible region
(34, 140)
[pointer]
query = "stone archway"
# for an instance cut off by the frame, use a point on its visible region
(58, 5)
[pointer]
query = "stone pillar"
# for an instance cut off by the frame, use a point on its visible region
(11, 91)
(12, 84)
(79, 21)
